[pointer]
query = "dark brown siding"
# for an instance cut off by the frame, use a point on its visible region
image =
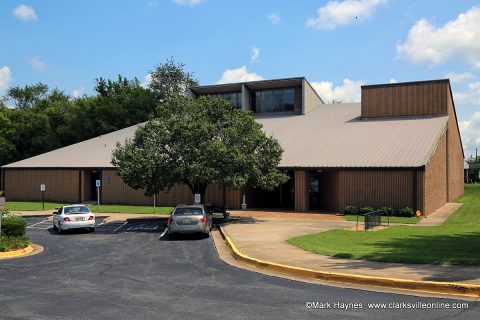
(426, 98)
(436, 178)
(454, 154)
(379, 188)
(298, 99)
(117, 192)
(24, 185)
(329, 190)
(301, 190)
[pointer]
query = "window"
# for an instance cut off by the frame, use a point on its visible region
(234, 97)
(76, 210)
(188, 211)
(276, 100)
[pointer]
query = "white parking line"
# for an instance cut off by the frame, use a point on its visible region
(164, 232)
(37, 225)
(120, 227)
(143, 227)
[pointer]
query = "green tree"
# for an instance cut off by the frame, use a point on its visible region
(169, 78)
(24, 98)
(199, 142)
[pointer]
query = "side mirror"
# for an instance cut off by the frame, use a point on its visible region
(55, 212)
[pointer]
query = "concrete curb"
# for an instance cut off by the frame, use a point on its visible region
(449, 288)
(16, 253)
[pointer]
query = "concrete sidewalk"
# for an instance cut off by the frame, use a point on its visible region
(265, 238)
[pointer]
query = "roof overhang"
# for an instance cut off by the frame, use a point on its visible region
(252, 85)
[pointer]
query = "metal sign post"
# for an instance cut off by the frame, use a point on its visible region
(98, 183)
(42, 190)
(154, 202)
(2, 207)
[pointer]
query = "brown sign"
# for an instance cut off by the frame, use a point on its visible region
(2, 203)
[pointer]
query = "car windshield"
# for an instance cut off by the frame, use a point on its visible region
(187, 211)
(76, 210)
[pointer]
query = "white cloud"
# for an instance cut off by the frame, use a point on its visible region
(5, 77)
(341, 13)
(470, 132)
(472, 97)
(254, 54)
(147, 80)
(25, 13)
(187, 3)
(460, 77)
(238, 75)
(393, 80)
(77, 93)
(37, 63)
(349, 91)
(274, 18)
(429, 44)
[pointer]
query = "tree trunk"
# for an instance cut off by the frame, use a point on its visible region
(198, 188)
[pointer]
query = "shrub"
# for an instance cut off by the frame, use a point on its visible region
(1, 193)
(350, 210)
(14, 226)
(406, 212)
(13, 243)
(366, 209)
(387, 211)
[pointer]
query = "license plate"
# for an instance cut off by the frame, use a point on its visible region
(187, 220)
(80, 219)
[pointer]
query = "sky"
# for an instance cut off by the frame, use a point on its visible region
(337, 45)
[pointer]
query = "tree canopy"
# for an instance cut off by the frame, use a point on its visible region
(199, 142)
(40, 119)
(169, 78)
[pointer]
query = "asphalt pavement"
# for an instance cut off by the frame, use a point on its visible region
(132, 273)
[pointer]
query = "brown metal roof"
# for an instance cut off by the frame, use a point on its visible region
(334, 135)
(330, 136)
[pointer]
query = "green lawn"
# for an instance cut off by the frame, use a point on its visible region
(404, 220)
(457, 241)
(31, 206)
(107, 208)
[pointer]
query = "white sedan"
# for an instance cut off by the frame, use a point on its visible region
(73, 217)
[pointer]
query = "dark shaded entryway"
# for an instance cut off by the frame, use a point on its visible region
(282, 197)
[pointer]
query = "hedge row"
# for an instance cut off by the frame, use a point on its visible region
(13, 225)
(386, 211)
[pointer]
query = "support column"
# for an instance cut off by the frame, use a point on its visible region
(302, 202)
(233, 199)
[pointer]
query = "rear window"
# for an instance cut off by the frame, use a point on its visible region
(76, 210)
(187, 211)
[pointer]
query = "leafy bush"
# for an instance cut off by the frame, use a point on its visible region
(366, 209)
(387, 211)
(351, 210)
(1, 193)
(406, 212)
(13, 243)
(13, 226)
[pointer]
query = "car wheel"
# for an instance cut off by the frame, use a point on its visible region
(59, 228)
(55, 227)
(92, 229)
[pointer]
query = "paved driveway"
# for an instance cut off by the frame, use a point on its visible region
(132, 274)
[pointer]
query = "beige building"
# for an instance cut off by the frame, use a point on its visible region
(400, 146)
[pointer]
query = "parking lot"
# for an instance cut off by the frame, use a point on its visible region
(131, 271)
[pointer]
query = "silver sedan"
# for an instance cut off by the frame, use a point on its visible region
(190, 219)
